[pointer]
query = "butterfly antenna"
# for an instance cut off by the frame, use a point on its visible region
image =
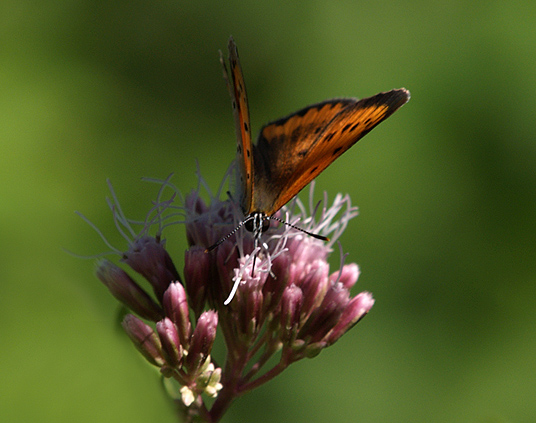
(226, 237)
(317, 236)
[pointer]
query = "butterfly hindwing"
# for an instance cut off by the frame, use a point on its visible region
(292, 151)
(237, 91)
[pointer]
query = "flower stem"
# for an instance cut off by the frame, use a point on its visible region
(269, 375)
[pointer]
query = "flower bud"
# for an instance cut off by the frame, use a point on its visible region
(202, 340)
(326, 316)
(226, 262)
(354, 311)
(148, 257)
(213, 384)
(171, 345)
(144, 339)
(123, 287)
(197, 269)
(314, 284)
(206, 225)
(187, 396)
(277, 280)
(291, 303)
(176, 308)
(196, 230)
(347, 276)
(249, 306)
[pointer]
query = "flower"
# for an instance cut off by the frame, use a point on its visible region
(276, 297)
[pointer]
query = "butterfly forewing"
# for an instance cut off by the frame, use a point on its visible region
(292, 151)
(237, 91)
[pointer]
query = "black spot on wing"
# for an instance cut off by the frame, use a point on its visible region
(330, 136)
(346, 127)
(336, 151)
(354, 127)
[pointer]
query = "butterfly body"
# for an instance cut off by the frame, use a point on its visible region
(290, 152)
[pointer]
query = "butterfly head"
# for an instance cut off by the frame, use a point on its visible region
(257, 223)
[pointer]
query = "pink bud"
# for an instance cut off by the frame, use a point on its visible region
(176, 308)
(171, 345)
(291, 304)
(144, 338)
(202, 340)
(355, 310)
(197, 269)
(123, 287)
(148, 257)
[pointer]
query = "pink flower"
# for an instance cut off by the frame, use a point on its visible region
(280, 296)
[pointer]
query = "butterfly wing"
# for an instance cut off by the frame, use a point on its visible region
(292, 151)
(244, 153)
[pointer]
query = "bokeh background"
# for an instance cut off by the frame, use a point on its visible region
(446, 189)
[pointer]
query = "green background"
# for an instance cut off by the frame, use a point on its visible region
(446, 190)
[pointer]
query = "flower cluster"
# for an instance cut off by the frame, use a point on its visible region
(277, 299)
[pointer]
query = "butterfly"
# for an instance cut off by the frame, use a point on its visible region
(292, 151)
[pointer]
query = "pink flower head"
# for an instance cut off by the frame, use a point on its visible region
(279, 297)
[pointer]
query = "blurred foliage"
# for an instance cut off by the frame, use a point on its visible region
(446, 189)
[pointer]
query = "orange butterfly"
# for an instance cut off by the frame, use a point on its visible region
(292, 151)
